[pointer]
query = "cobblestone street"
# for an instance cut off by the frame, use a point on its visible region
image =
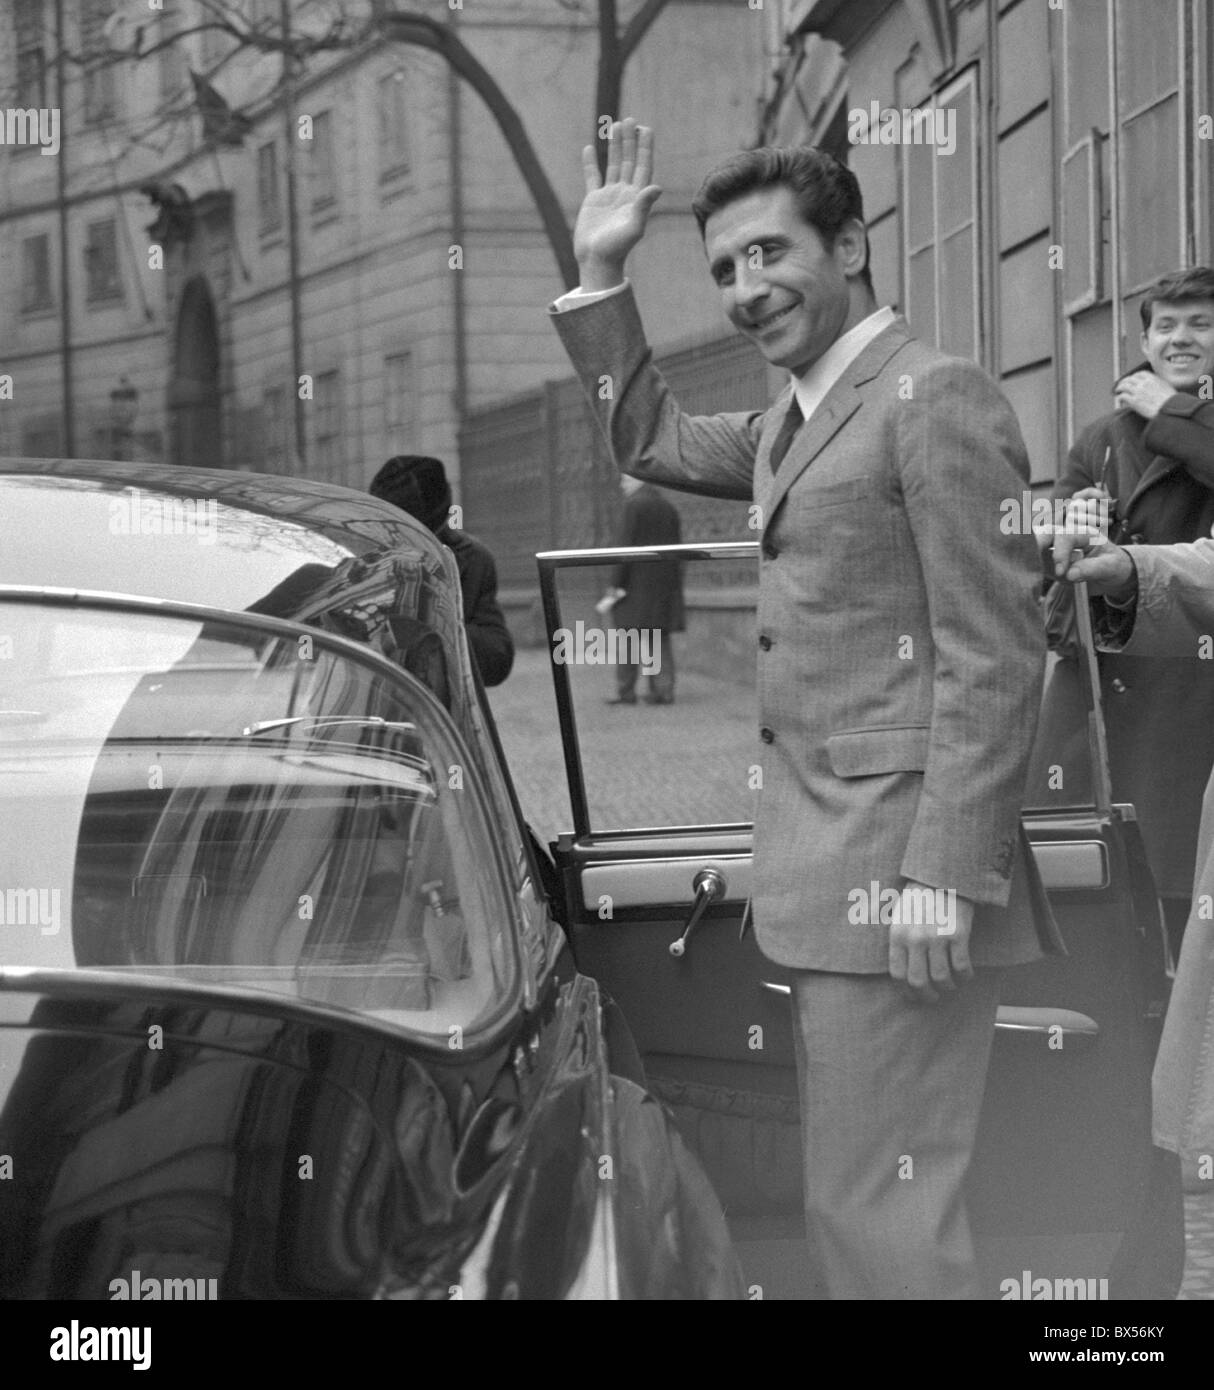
(696, 756)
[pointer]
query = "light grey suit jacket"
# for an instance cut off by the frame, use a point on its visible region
(901, 643)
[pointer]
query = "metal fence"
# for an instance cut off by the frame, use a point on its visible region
(536, 476)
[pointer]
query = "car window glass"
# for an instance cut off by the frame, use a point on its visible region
(646, 762)
(215, 804)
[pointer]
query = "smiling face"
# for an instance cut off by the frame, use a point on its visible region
(781, 285)
(1180, 342)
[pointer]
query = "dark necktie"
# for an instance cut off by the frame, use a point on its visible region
(789, 426)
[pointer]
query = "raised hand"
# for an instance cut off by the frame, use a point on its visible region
(616, 207)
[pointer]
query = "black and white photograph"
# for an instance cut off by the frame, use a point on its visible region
(741, 474)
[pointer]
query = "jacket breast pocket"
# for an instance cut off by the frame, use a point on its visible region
(835, 494)
(869, 752)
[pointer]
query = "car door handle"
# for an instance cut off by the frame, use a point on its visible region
(709, 885)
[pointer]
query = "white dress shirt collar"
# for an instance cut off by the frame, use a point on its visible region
(811, 388)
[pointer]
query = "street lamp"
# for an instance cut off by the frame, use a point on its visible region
(124, 407)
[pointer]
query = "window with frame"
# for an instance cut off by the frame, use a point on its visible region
(393, 125)
(36, 291)
(103, 278)
(274, 429)
(400, 403)
(269, 191)
(327, 426)
(30, 53)
(1127, 168)
(99, 86)
(323, 166)
(940, 220)
(1147, 92)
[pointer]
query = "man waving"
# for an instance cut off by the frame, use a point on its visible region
(900, 656)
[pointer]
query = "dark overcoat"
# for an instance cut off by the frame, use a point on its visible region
(1159, 710)
(488, 635)
(653, 589)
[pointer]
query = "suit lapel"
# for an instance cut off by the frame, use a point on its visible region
(840, 404)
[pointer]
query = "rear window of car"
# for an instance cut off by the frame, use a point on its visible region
(218, 804)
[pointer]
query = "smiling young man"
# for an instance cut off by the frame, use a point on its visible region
(1153, 455)
(900, 655)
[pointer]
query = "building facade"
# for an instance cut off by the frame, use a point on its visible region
(1080, 169)
(308, 266)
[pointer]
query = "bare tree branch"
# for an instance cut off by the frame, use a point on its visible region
(423, 32)
(638, 26)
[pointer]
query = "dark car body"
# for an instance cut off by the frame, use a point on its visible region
(241, 738)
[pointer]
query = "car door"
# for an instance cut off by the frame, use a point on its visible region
(656, 868)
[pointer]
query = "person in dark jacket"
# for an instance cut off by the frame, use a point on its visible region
(418, 485)
(648, 594)
(1152, 463)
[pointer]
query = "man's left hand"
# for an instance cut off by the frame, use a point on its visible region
(1142, 392)
(929, 956)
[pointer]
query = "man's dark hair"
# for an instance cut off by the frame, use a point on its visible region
(827, 193)
(1175, 287)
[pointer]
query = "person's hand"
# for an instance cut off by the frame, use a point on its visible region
(1107, 569)
(616, 207)
(1089, 509)
(1143, 393)
(929, 950)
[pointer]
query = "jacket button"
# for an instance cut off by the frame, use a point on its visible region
(769, 551)
(766, 734)
(1118, 685)
(765, 642)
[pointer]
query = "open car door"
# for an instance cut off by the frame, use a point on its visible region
(657, 876)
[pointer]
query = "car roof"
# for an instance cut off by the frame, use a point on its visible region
(286, 547)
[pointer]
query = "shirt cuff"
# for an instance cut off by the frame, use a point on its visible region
(580, 298)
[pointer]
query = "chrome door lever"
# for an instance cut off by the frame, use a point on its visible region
(709, 885)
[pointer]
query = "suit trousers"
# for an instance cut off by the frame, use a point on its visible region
(890, 1093)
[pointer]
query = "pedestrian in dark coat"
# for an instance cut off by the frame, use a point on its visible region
(648, 594)
(418, 485)
(1154, 458)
